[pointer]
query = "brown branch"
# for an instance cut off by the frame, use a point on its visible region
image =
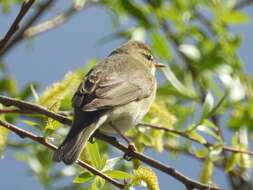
(182, 134)
(156, 164)
(36, 108)
(15, 25)
(25, 111)
(15, 110)
(41, 140)
(242, 4)
(59, 19)
(218, 164)
(20, 35)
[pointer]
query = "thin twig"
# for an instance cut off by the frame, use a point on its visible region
(182, 134)
(36, 108)
(242, 4)
(25, 111)
(218, 164)
(42, 141)
(20, 35)
(15, 110)
(54, 22)
(15, 25)
(156, 164)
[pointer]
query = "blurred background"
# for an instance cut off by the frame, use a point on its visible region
(208, 46)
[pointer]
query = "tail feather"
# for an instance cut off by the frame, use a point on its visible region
(72, 146)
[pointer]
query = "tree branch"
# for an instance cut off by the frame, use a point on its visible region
(182, 134)
(23, 133)
(156, 164)
(242, 4)
(33, 19)
(15, 25)
(54, 22)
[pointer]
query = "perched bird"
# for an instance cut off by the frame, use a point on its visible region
(117, 91)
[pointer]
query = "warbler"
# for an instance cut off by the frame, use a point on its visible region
(117, 91)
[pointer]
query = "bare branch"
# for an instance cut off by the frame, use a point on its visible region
(182, 134)
(20, 35)
(242, 4)
(36, 108)
(156, 164)
(15, 25)
(59, 19)
(41, 140)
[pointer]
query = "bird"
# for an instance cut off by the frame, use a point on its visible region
(118, 92)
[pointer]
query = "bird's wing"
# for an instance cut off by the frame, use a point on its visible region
(101, 90)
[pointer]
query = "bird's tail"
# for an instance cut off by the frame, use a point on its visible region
(72, 146)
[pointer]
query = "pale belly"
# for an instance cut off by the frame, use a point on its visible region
(127, 116)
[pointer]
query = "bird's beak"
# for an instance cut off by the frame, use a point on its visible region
(159, 65)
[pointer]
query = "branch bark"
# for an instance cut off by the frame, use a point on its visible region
(182, 134)
(54, 22)
(15, 25)
(33, 19)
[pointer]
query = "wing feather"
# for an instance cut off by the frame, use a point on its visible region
(101, 91)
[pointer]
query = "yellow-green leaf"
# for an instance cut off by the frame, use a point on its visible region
(201, 153)
(207, 172)
(159, 45)
(117, 174)
(231, 161)
(197, 136)
(3, 138)
(93, 152)
(83, 177)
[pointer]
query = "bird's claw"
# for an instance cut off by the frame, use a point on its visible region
(131, 148)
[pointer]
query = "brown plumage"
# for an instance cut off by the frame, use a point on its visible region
(119, 89)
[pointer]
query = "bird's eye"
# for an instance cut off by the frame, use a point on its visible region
(149, 57)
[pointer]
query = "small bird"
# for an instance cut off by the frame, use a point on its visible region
(117, 92)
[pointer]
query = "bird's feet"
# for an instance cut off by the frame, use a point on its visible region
(131, 148)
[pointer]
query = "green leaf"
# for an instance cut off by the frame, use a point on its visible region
(159, 45)
(35, 94)
(117, 174)
(236, 17)
(30, 123)
(111, 163)
(190, 51)
(84, 177)
(207, 171)
(207, 106)
(207, 130)
(231, 161)
(129, 188)
(209, 124)
(135, 11)
(201, 153)
(98, 183)
(93, 152)
(197, 136)
(177, 84)
(244, 161)
(3, 138)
